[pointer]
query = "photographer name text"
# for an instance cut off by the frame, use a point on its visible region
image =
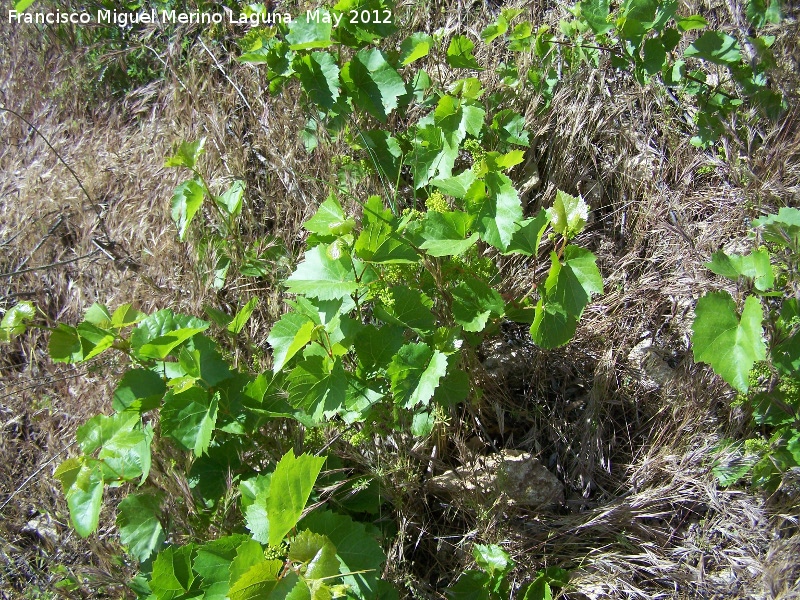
(124, 19)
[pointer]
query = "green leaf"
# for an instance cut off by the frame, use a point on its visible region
(329, 218)
(493, 559)
(414, 47)
(692, 22)
(376, 347)
(384, 152)
(83, 487)
(431, 153)
(21, 5)
(320, 276)
(654, 55)
(415, 372)
(496, 208)
(459, 53)
(782, 228)
(240, 318)
(305, 33)
(568, 214)
(527, 238)
(538, 589)
(494, 30)
(474, 303)
(200, 359)
(638, 17)
(186, 201)
(319, 76)
(358, 552)
(755, 266)
(139, 390)
(213, 563)
(373, 83)
(125, 315)
(445, 233)
(160, 347)
(139, 525)
(510, 128)
(189, 418)
(288, 337)
(15, 320)
(567, 290)
(294, 479)
(457, 118)
(125, 445)
(187, 154)
(716, 47)
(596, 14)
(471, 585)
(318, 385)
(761, 12)
(457, 186)
(318, 554)
(172, 574)
(231, 200)
(409, 308)
(729, 344)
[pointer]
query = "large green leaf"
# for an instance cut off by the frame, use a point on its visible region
(318, 385)
(456, 186)
(716, 47)
(596, 14)
(409, 308)
(323, 277)
(474, 303)
(288, 336)
(373, 83)
(414, 47)
(139, 525)
(527, 238)
(292, 482)
(415, 372)
(312, 30)
(186, 201)
(431, 154)
(457, 118)
(728, 343)
(319, 76)
(189, 418)
(172, 574)
(459, 53)
(755, 266)
(497, 209)
(329, 220)
(213, 562)
(376, 347)
(446, 234)
(384, 152)
(318, 554)
(258, 582)
(83, 486)
(187, 154)
(139, 390)
(15, 320)
(568, 214)
(567, 290)
(359, 553)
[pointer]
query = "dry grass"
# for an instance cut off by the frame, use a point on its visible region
(643, 517)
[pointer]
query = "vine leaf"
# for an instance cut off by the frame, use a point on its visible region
(497, 209)
(323, 277)
(716, 47)
(527, 238)
(308, 33)
(189, 418)
(446, 233)
(755, 266)
(213, 563)
(83, 486)
(317, 552)
(139, 390)
(318, 385)
(568, 214)
(373, 83)
(257, 582)
(187, 154)
(288, 337)
(596, 14)
(319, 76)
(15, 320)
(728, 343)
(415, 372)
(295, 478)
(186, 200)
(459, 54)
(474, 302)
(414, 47)
(358, 552)
(139, 526)
(172, 573)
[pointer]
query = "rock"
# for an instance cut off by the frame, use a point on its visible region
(514, 476)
